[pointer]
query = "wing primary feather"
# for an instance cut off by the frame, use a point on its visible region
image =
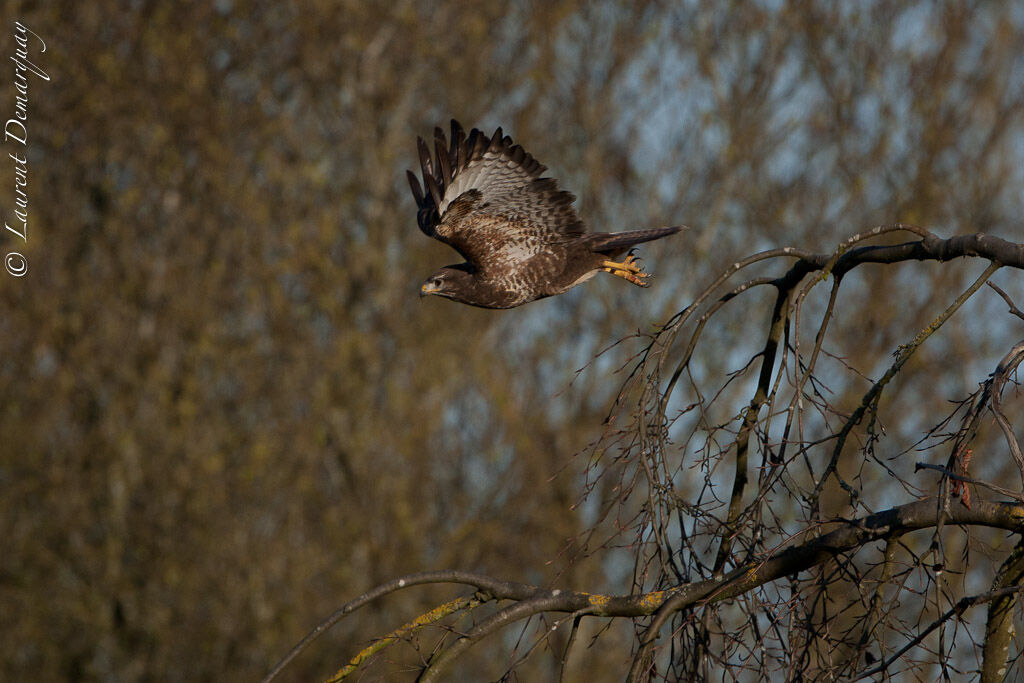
(441, 155)
(441, 174)
(470, 144)
(425, 163)
(461, 152)
(496, 140)
(435, 191)
(453, 152)
(417, 191)
(516, 154)
(458, 147)
(443, 161)
(480, 146)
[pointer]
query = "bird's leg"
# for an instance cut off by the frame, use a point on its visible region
(627, 269)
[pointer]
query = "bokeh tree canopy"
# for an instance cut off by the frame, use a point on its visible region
(224, 408)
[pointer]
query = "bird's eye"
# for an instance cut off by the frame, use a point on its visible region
(437, 282)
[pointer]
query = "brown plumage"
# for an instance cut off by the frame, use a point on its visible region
(520, 236)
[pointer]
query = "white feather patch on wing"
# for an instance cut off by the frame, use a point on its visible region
(494, 175)
(521, 251)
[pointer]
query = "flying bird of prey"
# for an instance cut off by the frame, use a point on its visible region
(520, 236)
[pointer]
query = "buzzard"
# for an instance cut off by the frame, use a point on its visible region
(520, 236)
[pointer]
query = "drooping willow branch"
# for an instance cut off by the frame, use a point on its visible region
(528, 600)
(845, 258)
(870, 400)
(792, 288)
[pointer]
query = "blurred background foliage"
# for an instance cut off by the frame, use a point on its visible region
(225, 410)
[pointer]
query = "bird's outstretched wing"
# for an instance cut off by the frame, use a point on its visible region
(485, 197)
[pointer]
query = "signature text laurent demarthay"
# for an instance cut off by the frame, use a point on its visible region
(16, 127)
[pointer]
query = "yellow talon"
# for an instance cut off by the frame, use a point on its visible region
(627, 269)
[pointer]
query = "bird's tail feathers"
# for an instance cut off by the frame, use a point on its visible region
(613, 241)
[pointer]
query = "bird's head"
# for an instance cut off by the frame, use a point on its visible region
(447, 282)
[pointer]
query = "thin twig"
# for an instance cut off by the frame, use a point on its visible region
(1009, 302)
(1014, 495)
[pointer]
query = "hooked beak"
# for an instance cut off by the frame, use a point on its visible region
(428, 288)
